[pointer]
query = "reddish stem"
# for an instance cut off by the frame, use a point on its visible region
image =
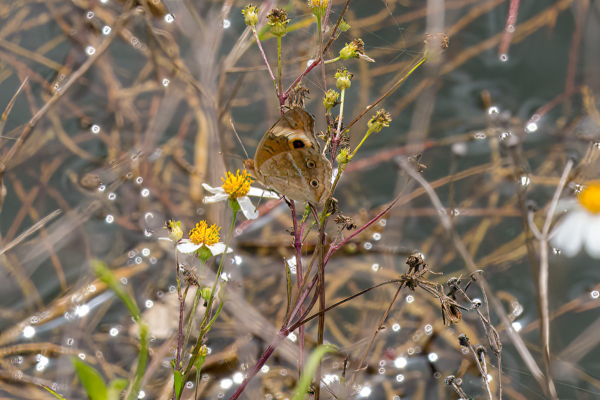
(509, 28)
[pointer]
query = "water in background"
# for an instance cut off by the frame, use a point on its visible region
(126, 145)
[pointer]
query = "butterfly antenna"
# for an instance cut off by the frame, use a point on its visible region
(231, 155)
(238, 136)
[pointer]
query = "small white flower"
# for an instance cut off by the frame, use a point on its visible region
(581, 226)
(238, 187)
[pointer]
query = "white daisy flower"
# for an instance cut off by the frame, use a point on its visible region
(581, 226)
(201, 235)
(237, 187)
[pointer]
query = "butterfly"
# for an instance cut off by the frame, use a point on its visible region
(288, 159)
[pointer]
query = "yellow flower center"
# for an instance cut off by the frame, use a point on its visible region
(237, 185)
(590, 198)
(203, 234)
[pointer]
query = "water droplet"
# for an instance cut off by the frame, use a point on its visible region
(149, 303)
(433, 357)
(410, 299)
(82, 356)
(396, 327)
(113, 332)
(106, 30)
(465, 350)
(200, 211)
(479, 135)
(139, 180)
(383, 222)
(90, 50)
(123, 280)
(504, 135)
(29, 331)
(146, 252)
(504, 57)
(595, 294)
(131, 254)
(437, 375)
(524, 180)
(95, 128)
(382, 370)
(134, 40)
(376, 236)
(172, 289)
(428, 329)
(110, 219)
(138, 260)
(129, 175)
(226, 23)
(375, 267)
(531, 127)
(90, 15)
(145, 192)
(101, 188)
(189, 385)
(368, 246)
(510, 28)
(265, 369)
(152, 260)
(493, 110)
(400, 378)
(112, 196)
(169, 18)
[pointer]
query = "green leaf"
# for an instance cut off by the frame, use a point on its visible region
(91, 379)
(178, 383)
(106, 276)
(58, 396)
(116, 387)
(310, 369)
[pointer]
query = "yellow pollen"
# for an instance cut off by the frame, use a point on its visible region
(590, 198)
(237, 185)
(203, 234)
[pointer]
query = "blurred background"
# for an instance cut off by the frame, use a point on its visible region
(125, 112)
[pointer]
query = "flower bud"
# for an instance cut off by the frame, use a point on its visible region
(344, 157)
(175, 232)
(278, 21)
(355, 49)
(250, 13)
(331, 99)
(206, 291)
(344, 26)
(343, 78)
(380, 120)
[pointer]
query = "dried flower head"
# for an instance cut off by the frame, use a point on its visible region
(380, 120)
(415, 162)
(355, 49)
(298, 96)
(278, 21)
(415, 263)
(331, 99)
(343, 79)
(345, 222)
(250, 13)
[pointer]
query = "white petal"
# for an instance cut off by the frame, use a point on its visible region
(247, 207)
(592, 236)
(267, 194)
(187, 247)
(212, 189)
(217, 197)
(569, 236)
(567, 205)
(218, 248)
(165, 238)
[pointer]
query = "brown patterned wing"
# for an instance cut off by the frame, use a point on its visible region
(294, 130)
(302, 175)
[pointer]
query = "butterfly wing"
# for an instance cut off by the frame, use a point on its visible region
(289, 160)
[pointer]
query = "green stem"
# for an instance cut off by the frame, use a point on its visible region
(280, 89)
(189, 324)
(198, 345)
(333, 60)
(361, 142)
